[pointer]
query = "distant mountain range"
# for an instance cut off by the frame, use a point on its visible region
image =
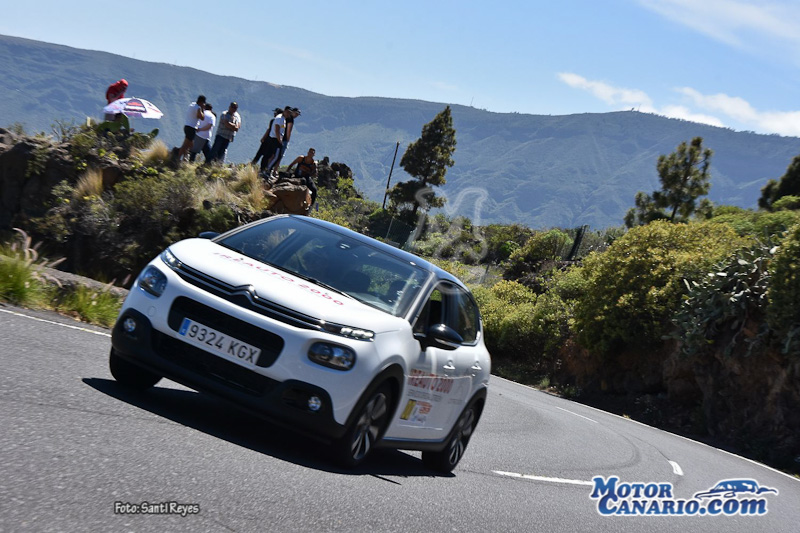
(542, 171)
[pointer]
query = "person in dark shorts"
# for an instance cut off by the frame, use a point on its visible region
(194, 114)
(262, 148)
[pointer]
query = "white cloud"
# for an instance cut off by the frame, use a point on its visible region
(607, 93)
(622, 98)
(766, 27)
(705, 109)
(781, 122)
(677, 111)
(733, 106)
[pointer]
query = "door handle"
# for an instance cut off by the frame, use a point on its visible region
(476, 367)
(449, 366)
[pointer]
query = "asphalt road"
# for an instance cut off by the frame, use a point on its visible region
(75, 447)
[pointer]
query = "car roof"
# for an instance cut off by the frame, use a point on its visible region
(369, 241)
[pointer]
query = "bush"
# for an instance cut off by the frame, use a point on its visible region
(636, 285)
(96, 307)
(523, 328)
(787, 203)
(21, 280)
(783, 312)
(759, 224)
(542, 248)
(720, 306)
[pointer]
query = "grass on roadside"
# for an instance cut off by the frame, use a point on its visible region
(89, 305)
(23, 283)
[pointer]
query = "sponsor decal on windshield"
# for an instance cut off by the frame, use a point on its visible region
(730, 497)
(280, 275)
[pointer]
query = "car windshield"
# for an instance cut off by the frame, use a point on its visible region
(324, 256)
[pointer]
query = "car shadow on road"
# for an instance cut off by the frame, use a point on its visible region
(214, 417)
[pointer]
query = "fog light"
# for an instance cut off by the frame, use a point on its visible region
(314, 403)
(129, 325)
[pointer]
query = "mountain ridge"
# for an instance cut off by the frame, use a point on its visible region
(538, 170)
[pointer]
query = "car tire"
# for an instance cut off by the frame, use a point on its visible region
(448, 458)
(129, 374)
(370, 423)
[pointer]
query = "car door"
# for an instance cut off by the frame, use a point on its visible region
(440, 381)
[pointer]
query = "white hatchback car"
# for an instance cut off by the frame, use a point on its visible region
(315, 326)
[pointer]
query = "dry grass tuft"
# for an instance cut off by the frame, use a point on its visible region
(157, 153)
(89, 185)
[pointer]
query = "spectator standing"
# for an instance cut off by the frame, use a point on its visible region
(194, 114)
(274, 137)
(289, 114)
(262, 148)
(229, 124)
(306, 169)
(204, 130)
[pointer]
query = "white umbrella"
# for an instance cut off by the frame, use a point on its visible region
(133, 107)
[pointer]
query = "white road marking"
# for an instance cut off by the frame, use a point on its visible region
(543, 478)
(101, 333)
(676, 468)
(576, 414)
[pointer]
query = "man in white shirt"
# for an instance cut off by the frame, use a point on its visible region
(204, 130)
(274, 139)
(194, 115)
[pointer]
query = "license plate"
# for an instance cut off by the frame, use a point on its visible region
(215, 342)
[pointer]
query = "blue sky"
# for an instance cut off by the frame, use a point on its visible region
(731, 63)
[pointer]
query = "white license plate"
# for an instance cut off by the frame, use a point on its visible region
(215, 342)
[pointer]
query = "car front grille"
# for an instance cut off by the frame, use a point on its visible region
(245, 297)
(269, 343)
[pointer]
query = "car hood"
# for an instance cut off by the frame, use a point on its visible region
(281, 287)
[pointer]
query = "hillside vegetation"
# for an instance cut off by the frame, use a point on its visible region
(540, 171)
(694, 325)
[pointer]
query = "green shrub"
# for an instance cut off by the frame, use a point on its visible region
(503, 240)
(21, 281)
(783, 312)
(718, 307)
(787, 203)
(759, 224)
(543, 247)
(635, 286)
(774, 223)
(523, 328)
(96, 307)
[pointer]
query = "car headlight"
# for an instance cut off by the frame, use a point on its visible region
(332, 355)
(347, 331)
(170, 259)
(152, 280)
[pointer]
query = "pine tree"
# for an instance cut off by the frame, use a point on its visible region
(684, 178)
(427, 160)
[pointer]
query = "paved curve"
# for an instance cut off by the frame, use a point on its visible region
(72, 443)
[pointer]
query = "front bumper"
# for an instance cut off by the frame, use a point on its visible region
(285, 402)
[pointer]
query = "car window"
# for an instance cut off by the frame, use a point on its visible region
(466, 320)
(366, 273)
(432, 313)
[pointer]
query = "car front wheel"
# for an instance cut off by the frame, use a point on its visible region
(129, 374)
(367, 428)
(447, 459)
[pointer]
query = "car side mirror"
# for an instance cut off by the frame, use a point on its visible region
(440, 336)
(208, 234)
